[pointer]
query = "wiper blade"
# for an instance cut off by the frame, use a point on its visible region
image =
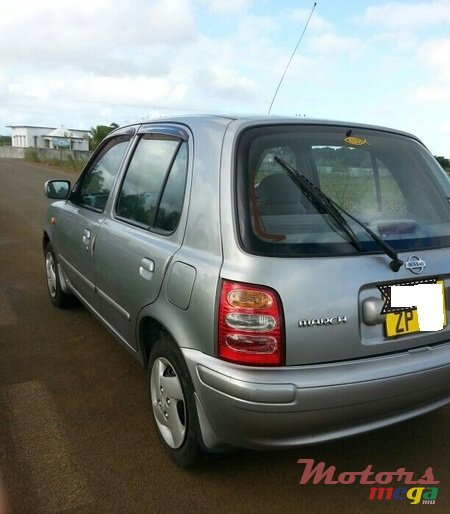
(325, 204)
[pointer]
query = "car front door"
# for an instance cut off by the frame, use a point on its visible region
(77, 222)
(136, 243)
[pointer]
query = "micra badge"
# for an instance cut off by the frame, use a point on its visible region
(318, 322)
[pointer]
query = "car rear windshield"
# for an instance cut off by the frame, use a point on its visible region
(389, 182)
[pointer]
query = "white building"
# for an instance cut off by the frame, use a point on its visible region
(49, 137)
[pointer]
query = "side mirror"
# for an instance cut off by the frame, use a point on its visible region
(57, 189)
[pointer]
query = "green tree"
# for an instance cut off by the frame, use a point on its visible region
(445, 163)
(5, 140)
(98, 133)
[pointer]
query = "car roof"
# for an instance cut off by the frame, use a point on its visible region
(249, 120)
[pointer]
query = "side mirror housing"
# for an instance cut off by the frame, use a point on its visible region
(57, 189)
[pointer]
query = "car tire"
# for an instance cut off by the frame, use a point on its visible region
(55, 291)
(172, 403)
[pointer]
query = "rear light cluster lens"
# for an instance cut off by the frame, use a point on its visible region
(250, 325)
(252, 322)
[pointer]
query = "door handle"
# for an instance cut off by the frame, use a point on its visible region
(146, 268)
(86, 237)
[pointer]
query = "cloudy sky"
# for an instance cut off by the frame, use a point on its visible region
(95, 62)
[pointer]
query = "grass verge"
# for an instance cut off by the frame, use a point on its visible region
(71, 164)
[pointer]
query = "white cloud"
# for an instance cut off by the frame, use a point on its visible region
(90, 33)
(228, 6)
(410, 16)
(133, 91)
(430, 94)
(445, 128)
(335, 45)
(224, 82)
(300, 17)
(434, 55)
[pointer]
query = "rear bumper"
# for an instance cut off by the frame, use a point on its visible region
(292, 406)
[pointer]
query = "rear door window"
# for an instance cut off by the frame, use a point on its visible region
(152, 191)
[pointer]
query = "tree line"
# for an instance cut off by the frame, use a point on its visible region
(98, 133)
(445, 163)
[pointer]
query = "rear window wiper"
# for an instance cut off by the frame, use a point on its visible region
(325, 204)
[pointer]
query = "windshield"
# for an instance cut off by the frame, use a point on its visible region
(389, 182)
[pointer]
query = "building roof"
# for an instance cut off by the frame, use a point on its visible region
(47, 128)
(62, 132)
(30, 126)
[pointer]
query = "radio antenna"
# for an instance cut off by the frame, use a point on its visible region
(292, 56)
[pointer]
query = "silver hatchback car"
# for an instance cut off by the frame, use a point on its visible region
(254, 266)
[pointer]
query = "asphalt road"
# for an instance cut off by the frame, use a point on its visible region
(75, 430)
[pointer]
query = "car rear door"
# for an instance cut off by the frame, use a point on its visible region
(336, 296)
(77, 221)
(136, 243)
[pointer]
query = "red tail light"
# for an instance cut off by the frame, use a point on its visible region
(250, 325)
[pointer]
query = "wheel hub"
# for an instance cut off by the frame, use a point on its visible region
(168, 402)
(51, 274)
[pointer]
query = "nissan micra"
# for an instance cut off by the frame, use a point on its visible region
(284, 281)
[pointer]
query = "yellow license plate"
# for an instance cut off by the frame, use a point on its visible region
(407, 322)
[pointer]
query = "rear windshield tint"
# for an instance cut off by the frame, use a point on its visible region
(390, 182)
